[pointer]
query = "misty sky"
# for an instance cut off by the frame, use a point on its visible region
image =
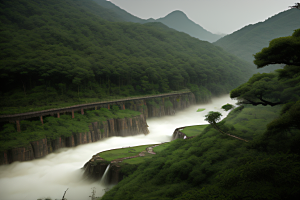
(216, 16)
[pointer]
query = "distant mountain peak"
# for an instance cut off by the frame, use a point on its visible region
(177, 20)
(176, 14)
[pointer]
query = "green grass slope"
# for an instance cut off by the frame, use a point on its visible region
(122, 153)
(215, 166)
(194, 130)
(252, 38)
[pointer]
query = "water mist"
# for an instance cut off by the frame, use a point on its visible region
(52, 175)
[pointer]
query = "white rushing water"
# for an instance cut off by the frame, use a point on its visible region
(53, 174)
(103, 179)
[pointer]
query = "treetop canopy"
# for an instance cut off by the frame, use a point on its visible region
(283, 50)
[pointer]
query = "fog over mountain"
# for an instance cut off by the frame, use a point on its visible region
(177, 20)
(180, 22)
(249, 40)
(214, 16)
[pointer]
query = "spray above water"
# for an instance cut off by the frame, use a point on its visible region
(53, 174)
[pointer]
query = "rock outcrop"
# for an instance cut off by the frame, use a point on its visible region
(94, 170)
(178, 134)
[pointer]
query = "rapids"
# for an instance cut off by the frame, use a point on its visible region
(52, 175)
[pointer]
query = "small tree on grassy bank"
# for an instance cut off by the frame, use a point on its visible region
(227, 107)
(212, 117)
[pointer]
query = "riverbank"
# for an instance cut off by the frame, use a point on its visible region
(51, 175)
(119, 163)
(115, 162)
(39, 139)
(212, 160)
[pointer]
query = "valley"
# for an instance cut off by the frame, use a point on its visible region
(96, 99)
(50, 176)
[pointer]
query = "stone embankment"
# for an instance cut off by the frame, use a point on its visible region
(154, 107)
(97, 131)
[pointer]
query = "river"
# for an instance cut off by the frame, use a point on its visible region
(53, 174)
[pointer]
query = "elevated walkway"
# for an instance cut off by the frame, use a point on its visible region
(71, 109)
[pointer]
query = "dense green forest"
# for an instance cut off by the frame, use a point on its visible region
(55, 52)
(216, 166)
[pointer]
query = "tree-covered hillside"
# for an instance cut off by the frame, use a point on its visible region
(214, 165)
(122, 14)
(59, 50)
(252, 38)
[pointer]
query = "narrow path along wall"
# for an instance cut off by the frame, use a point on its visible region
(154, 107)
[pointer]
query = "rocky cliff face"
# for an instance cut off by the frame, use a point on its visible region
(96, 166)
(97, 131)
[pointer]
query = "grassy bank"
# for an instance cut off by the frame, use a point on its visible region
(123, 152)
(132, 151)
(193, 130)
(249, 122)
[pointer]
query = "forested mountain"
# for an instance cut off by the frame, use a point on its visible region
(122, 14)
(60, 50)
(180, 22)
(176, 20)
(252, 38)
